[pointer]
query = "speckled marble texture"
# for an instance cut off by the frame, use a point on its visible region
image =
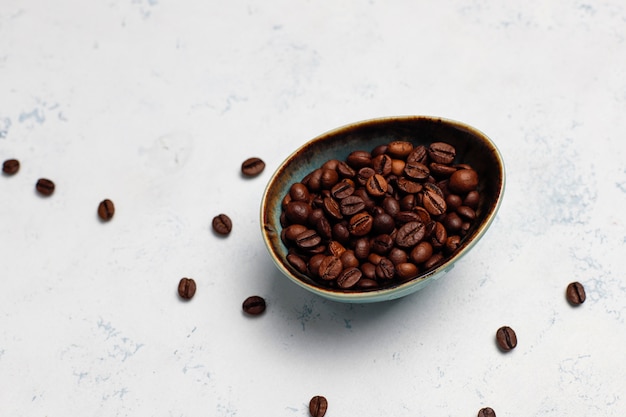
(155, 104)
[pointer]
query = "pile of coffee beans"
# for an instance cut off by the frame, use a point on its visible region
(380, 217)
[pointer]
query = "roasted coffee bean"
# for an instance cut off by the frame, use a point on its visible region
(315, 262)
(292, 231)
(438, 235)
(362, 248)
(341, 233)
(313, 180)
(441, 170)
(575, 293)
(360, 224)
(359, 159)
(376, 185)
(416, 170)
(399, 148)
(335, 248)
(345, 170)
(254, 305)
(252, 167)
(433, 261)
(45, 187)
(453, 243)
(397, 167)
(423, 214)
(364, 174)
(11, 166)
(348, 259)
(298, 263)
(298, 212)
(308, 239)
(466, 212)
(408, 202)
(397, 256)
(421, 253)
(453, 202)
(186, 288)
(351, 205)
(299, 192)
(486, 412)
(369, 270)
(106, 210)
(463, 181)
(349, 277)
(418, 154)
(433, 200)
(385, 269)
(441, 152)
(406, 270)
(324, 229)
(330, 268)
(382, 165)
(452, 222)
(318, 406)
(329, 178)
(410, 234)
(472, 199)
(408, 186)
(391, 206)
(331, 207)
(222, 224)
(382, 244)
(374, 258)
(383, 223)
(315, 215)
(379, 150)
(506, 338)
(407, 216)
(342, 190)
(367, 283)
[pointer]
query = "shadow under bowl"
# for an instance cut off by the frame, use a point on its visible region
(472, 147)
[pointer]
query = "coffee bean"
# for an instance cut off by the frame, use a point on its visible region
(506, 338)
(408, 186)
(433, 200)
(45, 187)
(382, 165)
(441, 152)
(11, 166)
(463, 181)
(351, 205)
(252, 167)
(349, 259)
(406, 270)
(329, 178)
(186, 288)
(298, 263)
(332, 208)
(106, 210)
(330, 268)
(308, 239)
(222, 224)
(360, 224)
(362, 248)
(575, 293)
(399, 148)
(299, 192)
(410, 234)
(376, 185)
(382, 244)
(441, 170)
(324, 229)
(318, 406)
(383, 224)
(342, 190)
(349, 277)
(359, 159)
(385, 269)
(416, 170)
(254, 305)
(486, 412)
(298, 212)
(472, 199)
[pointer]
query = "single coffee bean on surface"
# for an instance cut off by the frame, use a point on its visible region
(486, 412)
(45, 187)
(252, 167)
(506, 338)
(106, 209)
(11, 166)
(254, 305)
(575, 293)
(186, 288)
(318, 406)
(222, 224)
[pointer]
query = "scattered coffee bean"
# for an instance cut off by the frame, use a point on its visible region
(45, 187)
(252, 167)
(397, 211)
(106, 210)
(575, 293)
(186, 288)
(11, 166)
(254, 305)
(318, 406)
(222, 224)
(506, 338)
(486, 412)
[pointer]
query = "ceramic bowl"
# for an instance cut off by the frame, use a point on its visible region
(472, 147)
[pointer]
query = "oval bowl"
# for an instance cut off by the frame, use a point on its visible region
(472, 147)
